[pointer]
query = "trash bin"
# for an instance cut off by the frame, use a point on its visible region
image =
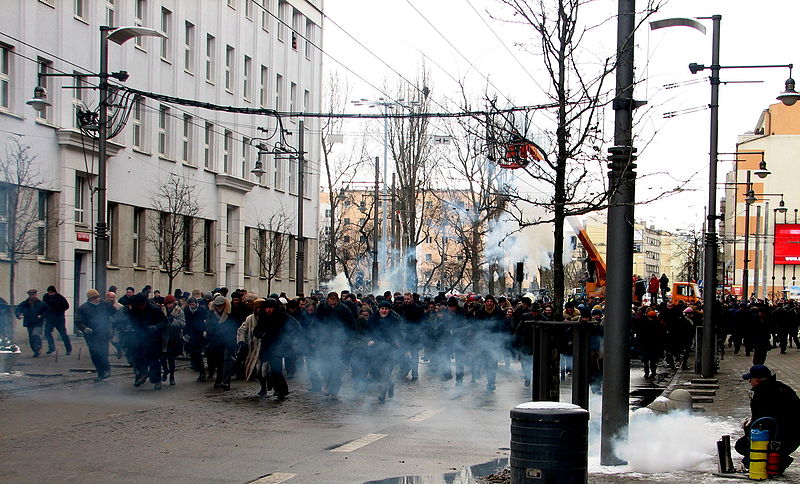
(549, 443)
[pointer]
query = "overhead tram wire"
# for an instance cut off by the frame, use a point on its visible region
(457, 50)
(324, 52)
(496, 36)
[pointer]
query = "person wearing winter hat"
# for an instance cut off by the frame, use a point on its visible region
(650, 336)
(32, 311)
(93, 319)
(172, 337)
(222, 348)
(776, 400)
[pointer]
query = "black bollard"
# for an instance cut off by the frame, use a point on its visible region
(549, 443)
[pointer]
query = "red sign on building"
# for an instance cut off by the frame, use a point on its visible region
(83, 236)
(787, 244)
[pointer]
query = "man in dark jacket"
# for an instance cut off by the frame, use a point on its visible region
(382, 343)
(54, 318)
(93, 318)
(330, 331)
(412, 314)
(773, 399)
(196, 317)
(490, 338)
(31, 312)
(147, 322)
(279, 334)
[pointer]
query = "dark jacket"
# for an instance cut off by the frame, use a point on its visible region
(57, 305)
(331, 327)
(195, 327)
(279, 334)
(775, 399)
(95, 316)
(32, 312)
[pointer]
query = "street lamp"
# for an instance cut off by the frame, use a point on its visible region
(118, 35)
(386, 105)
(788, 97)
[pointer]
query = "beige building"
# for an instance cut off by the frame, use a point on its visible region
(777, 136)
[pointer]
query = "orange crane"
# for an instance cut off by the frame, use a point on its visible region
(595, 285)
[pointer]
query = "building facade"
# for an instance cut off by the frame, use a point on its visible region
(242, 53)
(775, 140)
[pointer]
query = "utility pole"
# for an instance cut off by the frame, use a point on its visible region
(301, 241)
(622, 183)
(375, 284)
(101, 231)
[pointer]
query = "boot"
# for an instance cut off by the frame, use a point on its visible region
(202, 377)
(172, 379)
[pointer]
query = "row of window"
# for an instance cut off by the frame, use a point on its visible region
(31, 212)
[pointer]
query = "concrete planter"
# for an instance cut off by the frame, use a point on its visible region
(7, 360)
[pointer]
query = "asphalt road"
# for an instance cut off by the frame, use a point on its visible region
(113, 432)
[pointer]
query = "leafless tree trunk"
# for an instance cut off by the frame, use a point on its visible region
(20, 184)
(271, 246)
(173, 226)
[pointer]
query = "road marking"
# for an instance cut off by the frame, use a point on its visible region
(358, 443)
(274, 478)
(424, 415)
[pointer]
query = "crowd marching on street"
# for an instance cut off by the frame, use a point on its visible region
(242, 336)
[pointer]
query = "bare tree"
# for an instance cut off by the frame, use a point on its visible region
(271, 246)
(578, 82)
(22, 210)
(412, 150)
(338, 171)
(173, 225)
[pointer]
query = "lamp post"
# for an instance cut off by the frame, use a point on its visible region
(788, 97)
(750, 199)
(118, 35)
(386, 105)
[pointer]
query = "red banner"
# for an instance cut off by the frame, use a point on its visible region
(787, 244)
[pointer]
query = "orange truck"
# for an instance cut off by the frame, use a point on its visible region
(595, 284)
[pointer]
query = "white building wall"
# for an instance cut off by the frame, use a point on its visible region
(32, 29)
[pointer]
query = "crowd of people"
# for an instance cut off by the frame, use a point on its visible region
(240, 335)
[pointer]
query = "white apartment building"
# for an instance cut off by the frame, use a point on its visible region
(225, 52)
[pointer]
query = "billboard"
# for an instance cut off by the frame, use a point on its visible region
(787, 244)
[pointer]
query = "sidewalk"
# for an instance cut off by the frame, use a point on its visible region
(31, 374)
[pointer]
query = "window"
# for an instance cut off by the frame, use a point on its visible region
(277, 245)
(229, 53)
(262, 247)
(208, 146)
(265, 16)
(80, 8)
(296, 19)
(110, 13)
(80, 198)
(428, 257)
(137, 226)
(245, 157)
(137, 123)
(278, 173)
(186, 152)
(292, 98)
(110, 220)
(347, 221)
(41, 229)
(163, 227)
(166, 21)
(5, 77)
(45, 68)
(248, 9)
(208, 245)
(346, 239)
(188, 47)
(248, 268)
(163, 131)
(188, 226)
(262, 90)
(309, 37)
(230, 225)
(4, 194)
(210, 58)
(293, 164)
(278, 92)
(292, 256)
(327, 213)
(248, 68)
(282, 20)
(140, 19)
(227, 141)
(78, 97)
(232, 4)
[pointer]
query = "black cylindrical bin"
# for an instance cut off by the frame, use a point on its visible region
(549, 443)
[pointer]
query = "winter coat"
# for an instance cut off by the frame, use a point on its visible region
(650, 337)
(57, 305)
(384, 333)
(221, 331)
(172, 336)
(195, 328)
(97, 317)
(652, 285)
(278, 333)
(775, 399)
(490, 334)
(245, 335)
(330, 328)
(32, 311)
(148, 323)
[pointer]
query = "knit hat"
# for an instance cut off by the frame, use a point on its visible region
(219, 301)
(51, 289)
(92, 293)
(651, 314)
(386, 304)
(170, 299)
